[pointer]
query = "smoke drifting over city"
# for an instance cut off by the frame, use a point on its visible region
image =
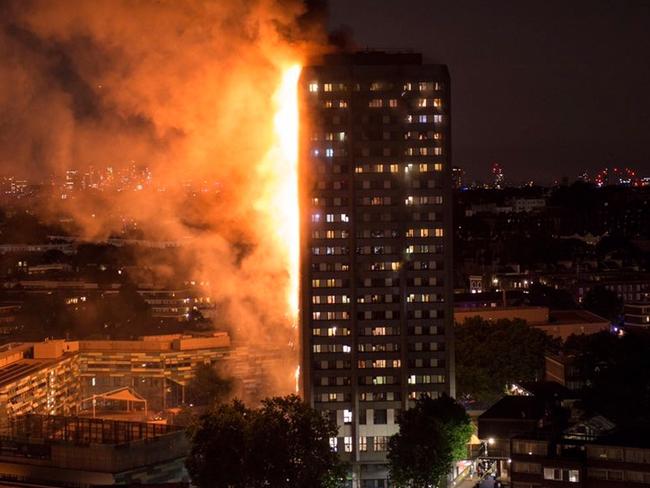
(184, 88)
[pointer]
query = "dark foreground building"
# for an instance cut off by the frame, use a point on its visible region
(376, 245)
(583, 459)
(53, 450)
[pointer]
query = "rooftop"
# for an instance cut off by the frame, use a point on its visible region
(21, 368)
(516, 408)
(82, 430)
(562, 317)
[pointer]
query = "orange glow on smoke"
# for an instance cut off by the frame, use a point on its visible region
(287, 224)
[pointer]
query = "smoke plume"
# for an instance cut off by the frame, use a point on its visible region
(184, 88)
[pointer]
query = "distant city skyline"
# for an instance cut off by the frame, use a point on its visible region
(545, 89)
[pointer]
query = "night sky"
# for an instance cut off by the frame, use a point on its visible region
(546, 88)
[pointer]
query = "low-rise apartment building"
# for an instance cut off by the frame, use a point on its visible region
(53, 377)
(38, 378)
(156, 367)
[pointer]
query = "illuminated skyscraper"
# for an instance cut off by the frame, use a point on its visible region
(376, 313)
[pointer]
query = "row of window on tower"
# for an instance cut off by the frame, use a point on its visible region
(366, 444)
(369, 283)
(378, 380)
(376, 396)
(377, 250)
(388, 103)
(340, 152)
(373, 217)
(373, 298)
(422, 86)
(381, 380)
(414, 265)
(339, 118)
(416, 363)
(393, 168)
(378, 233)
(377, 200)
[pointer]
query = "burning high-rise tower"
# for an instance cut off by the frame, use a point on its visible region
(376, 286)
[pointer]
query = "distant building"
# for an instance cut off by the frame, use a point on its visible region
(457, 176)
(176, 305)
(476, 284)
(60, 451)
(556, 323)
(498, 178)
(52, 268)
(8, 314)
(38, 378)
(630, 286)
(565, 370)
(637, 314)
(156, 367)
(53, 377)
(528, 204)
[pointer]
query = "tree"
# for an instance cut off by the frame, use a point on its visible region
(432, 436)
(603, 302)
(616, 372)
(208, 386)
(490, 356)
(547, 296)
(282, 444)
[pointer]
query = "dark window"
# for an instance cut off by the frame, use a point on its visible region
(380, 416)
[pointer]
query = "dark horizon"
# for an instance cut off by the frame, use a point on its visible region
(546, 89)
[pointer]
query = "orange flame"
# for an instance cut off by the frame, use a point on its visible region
(282, 202)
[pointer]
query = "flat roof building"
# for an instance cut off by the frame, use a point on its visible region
(54, 450)
(54, 376)
(556, 323)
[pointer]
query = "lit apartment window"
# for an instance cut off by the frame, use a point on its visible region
(363, 444)
(558, 474)
(347, 416)
(380, 443)
(437, 119)
(376, 103)
(327, 87)
(334, 441)
(329, 152)
(392, 103)
(347, 441)
(313, 87)
(437, 102)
